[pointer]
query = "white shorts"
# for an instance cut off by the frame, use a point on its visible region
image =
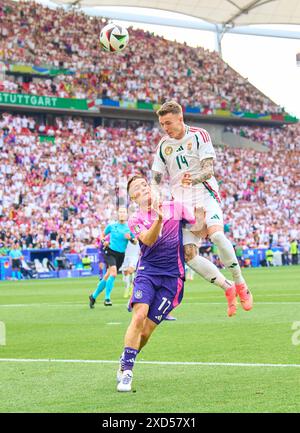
(213, 216)
(213, 212)
(189, 238)
(129, 262)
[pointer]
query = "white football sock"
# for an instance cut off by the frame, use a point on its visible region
(209, 271)
(127, 281)
(228, 256)
(131, 278)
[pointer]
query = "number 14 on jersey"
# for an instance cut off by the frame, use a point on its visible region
(181, 160)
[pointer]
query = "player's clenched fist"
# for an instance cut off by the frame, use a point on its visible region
(186, 179)
(157, 207)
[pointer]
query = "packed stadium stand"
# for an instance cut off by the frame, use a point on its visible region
(60, 175)
(68, 184)
(33, 34)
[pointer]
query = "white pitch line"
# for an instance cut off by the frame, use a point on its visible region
(80, 304)
(103, 361)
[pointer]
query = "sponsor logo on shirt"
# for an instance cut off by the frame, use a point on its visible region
(137, 228)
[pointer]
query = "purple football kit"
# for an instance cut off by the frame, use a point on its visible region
(160, 274)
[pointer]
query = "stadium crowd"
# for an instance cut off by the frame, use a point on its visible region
(284, 139)
(60, 184)
(66, 189)
(34, 35)
(260, 190)
(58, 87)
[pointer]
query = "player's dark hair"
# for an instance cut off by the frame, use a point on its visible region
(133, 178)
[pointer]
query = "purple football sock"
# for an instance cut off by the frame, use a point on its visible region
(128, 358)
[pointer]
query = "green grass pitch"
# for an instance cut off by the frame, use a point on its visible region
(51, 320)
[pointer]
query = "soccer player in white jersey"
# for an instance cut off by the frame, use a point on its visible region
(186, 154)
(131, 258)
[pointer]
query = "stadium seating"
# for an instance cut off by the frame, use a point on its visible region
(64, 190)
(41, 37)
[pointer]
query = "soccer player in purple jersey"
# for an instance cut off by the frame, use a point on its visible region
(159, 281)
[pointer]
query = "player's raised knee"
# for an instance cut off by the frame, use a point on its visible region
(190, 251)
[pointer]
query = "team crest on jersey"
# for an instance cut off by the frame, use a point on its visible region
(137, 229)
(138, 294)
(168, 150)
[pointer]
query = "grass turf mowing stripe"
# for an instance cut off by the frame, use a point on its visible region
(104, 361)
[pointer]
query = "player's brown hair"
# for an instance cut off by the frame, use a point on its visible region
(169, 107)
(133, 178)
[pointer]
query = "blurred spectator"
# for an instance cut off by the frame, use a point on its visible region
(294, 252)
(239, 254)
(86, 262)
(269, 256)
(277, 258)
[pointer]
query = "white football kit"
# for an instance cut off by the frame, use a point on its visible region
(131, 258)
(177, 157)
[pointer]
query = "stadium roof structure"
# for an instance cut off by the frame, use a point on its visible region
(219, 12)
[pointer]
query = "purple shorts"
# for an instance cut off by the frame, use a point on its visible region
(101, 257)
(161, 293)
